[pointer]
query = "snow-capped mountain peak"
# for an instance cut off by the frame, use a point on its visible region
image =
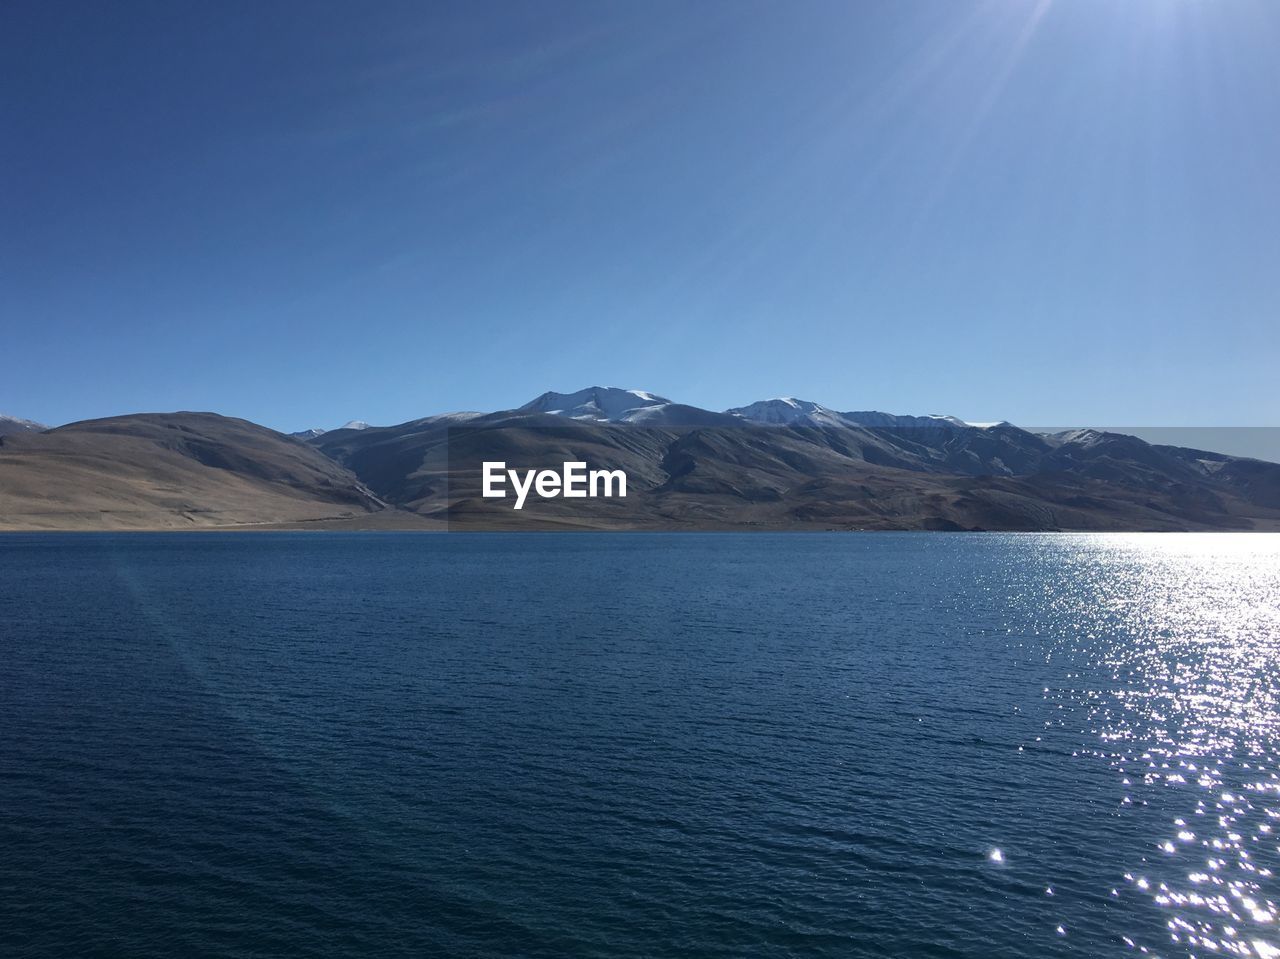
(606, 404)
(316, 432)
(788, 411)
(602, 404)
(874, 419)
(1085, 437)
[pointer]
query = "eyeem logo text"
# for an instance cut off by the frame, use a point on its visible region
(573, 481)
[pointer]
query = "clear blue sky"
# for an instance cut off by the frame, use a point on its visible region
(300, 213)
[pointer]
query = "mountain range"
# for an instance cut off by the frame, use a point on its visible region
(774, 464)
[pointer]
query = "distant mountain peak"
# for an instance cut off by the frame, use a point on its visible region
(13, 424)
(608, 404)
(316, 432)
(788, 411)
(603, 404)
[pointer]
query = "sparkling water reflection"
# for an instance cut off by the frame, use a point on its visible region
(1179, 643)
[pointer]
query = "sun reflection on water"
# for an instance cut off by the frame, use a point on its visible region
(1183, 633)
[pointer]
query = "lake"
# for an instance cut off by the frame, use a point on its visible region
(925, 745)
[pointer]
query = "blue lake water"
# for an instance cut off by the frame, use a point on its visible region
(639, 745)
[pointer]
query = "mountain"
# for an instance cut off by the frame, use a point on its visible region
(171, 471)
(877, 420)
(11, 424)
(316, 431)
(602, 404)
(775, 464)
(792, 464)
(789, 411)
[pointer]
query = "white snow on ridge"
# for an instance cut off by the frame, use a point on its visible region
(460, 417)
(874, 418)
(316, 431)
(13, 424)
(1081, 437)
(601, 404)
(789, 411)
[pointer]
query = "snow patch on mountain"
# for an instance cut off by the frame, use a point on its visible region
(1080, 437)
(876, 419)
(789, 411)
(459, 417)
(600, 404)
(316, 432)
(604, 404)
(12, 424)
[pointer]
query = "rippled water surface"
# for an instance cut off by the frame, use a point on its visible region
(639, 745)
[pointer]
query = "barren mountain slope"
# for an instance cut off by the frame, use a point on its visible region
(170, 471)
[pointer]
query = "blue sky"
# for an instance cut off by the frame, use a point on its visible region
(301, 213)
